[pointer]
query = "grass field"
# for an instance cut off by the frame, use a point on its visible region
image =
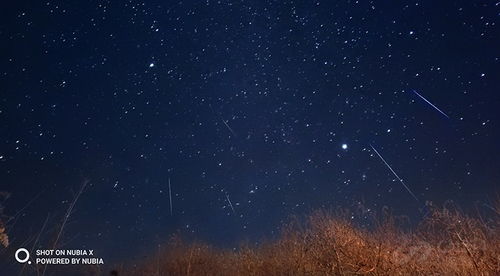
(445, 242)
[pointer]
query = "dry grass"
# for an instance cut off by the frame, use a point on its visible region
(4, 238)
(446, 242)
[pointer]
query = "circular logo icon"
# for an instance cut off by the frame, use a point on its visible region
(26, 258)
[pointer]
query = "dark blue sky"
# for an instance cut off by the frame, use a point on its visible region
(244, 106)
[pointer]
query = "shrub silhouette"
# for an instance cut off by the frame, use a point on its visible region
(445, 242)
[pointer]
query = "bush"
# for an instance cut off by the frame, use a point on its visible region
(445, 242)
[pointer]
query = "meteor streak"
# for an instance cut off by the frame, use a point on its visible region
(395, 174)
(230, 204)
(435, 107)
(170, 195)
(223, 121)
(228, 127)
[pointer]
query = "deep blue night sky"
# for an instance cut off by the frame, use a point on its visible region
(245, 106)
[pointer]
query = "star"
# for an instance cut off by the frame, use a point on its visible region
(344, 146)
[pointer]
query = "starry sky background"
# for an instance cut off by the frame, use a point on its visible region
(242, 103)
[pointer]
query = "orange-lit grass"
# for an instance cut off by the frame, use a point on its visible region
(446, 242)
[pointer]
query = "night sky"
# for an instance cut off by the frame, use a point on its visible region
(253, 111)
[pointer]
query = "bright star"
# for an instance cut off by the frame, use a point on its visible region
(344, 146)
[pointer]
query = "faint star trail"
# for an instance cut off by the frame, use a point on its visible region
(170, 195)
(395, 174)
(228, 127)
(223, 121)
(230, 204)
(435, 107)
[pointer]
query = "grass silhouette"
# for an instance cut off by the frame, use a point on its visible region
(445, 242)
